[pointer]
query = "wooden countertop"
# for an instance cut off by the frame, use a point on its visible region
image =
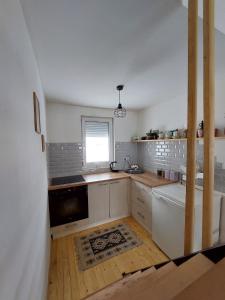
(92, 178)
(150, 179)
(147, 178)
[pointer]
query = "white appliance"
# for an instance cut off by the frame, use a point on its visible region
(168, 218)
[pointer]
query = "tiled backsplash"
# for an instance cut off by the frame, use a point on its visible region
(162, 155)
(125, 150)
(171, 155)
(65, 159)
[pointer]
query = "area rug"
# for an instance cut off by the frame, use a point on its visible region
(103, 244)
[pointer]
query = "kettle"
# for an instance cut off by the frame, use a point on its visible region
(113, 166)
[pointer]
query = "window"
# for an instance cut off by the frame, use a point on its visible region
(98, 141)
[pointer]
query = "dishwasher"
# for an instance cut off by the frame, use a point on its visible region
(168, 219)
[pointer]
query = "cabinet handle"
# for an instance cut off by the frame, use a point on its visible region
(101, 184)
(142, 216)
(114, 182)
(140, 200)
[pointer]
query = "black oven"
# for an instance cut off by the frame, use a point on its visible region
(68, 205)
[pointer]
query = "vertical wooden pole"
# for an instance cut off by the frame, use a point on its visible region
(209, 120)
(192, 123)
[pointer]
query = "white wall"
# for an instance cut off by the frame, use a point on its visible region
(172, 113)
(64, 123)
(163, 116)
(24, 233)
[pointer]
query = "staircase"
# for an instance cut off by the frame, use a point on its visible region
(198, 276)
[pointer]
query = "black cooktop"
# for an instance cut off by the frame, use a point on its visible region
(67, 179)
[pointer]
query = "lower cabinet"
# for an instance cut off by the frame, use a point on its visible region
(108, 200)
(141, 204)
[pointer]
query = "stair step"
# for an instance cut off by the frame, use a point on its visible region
(133, 289)
(122, 284)
(171, 285)
(209, 286)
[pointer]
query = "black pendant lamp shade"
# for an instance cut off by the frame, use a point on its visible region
(120, 111)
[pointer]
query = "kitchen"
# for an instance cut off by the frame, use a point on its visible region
(113, 196)
(112, 150)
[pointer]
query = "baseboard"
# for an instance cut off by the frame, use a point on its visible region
(67, 229)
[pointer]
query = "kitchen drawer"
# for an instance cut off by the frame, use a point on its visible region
(142, 187)
(139, 214)
(143, 191)
(142, 216)
(140, 201)
(143, 196)
(142, 204)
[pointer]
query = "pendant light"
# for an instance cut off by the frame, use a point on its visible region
(120, 111)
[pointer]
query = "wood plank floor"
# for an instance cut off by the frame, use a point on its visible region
(67, 282)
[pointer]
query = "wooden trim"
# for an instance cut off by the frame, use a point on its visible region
(192, 123)
(43, 144)
(209, 121)
(37, 118)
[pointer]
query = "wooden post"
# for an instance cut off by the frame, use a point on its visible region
(192, 123)
(209, 120)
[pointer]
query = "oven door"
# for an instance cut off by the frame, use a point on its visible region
(68, 205)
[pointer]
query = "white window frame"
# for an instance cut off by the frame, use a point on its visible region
(97, 165)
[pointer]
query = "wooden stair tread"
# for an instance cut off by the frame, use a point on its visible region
(110, 290)
(174, 282)
(133, 290)
(209, 286)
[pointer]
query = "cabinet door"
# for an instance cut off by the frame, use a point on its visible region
(98, 200)
(119, 206)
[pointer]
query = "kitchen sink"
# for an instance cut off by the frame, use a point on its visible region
(134, 171)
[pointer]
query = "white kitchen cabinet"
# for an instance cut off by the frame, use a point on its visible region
(98, 202)
(141, 204)
(108, 200)
(118, 198)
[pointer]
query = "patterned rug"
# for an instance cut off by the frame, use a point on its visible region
(103, 244)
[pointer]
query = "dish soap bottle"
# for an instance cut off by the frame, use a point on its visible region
(200, 132)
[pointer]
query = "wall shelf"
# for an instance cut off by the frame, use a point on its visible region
(174, 140)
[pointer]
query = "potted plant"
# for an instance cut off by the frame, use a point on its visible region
(161, 135)
(152, 134)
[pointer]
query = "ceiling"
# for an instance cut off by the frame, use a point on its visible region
(219, 13)
(85, 48)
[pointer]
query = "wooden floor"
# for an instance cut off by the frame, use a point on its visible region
(67, 282)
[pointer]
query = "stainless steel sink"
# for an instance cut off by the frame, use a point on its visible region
(134, 171)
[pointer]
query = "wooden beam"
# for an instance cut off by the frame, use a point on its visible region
(192, 123)
(209, 121)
